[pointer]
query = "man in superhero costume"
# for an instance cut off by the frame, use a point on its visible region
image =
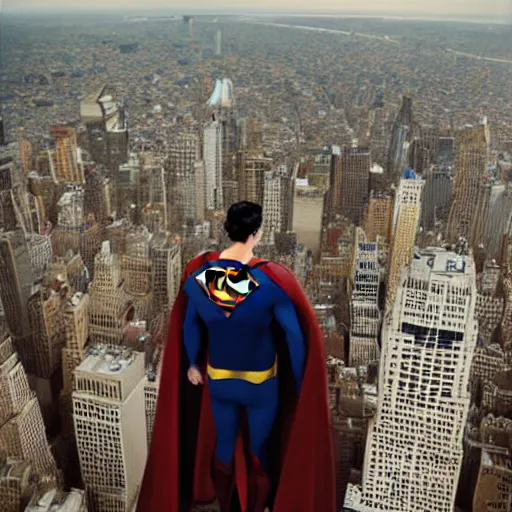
(243, 389)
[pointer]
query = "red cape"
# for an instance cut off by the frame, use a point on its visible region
(177, 471)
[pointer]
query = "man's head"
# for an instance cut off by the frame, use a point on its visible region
(243, 222)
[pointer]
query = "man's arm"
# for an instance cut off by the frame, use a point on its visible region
(286, 315)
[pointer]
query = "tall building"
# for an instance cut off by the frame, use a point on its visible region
(16, 282)
(437, 196)
(252, 176)
(401, 138)
(406, 217)
(67, 161)
(25, 153)
(22, 430)
(218, 43)
(2, 132)
(379, 215)
(272, 205)
(107, 132)
(110, 427)
(470, 163)
(181, 172)
(414, 447)
(212, 155)
(222, 95)
(350, 184)
(364, 306)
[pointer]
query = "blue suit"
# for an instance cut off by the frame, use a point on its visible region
(243, 342)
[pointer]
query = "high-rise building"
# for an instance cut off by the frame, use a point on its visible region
(414, 447)
(16, 282)
(166, 257)
(350, 184)
(46, 308)
(379, 216)
(25, 153)
(470, 163)
(406, 217)
(252, 176)
(401, 138)
(109, 309)
(110, 427)
(364, 306)
(437, 196)
(69, 168)
(2, 132)
(218, 43)
(181, 171)
(107, 132)
(70, 222)
(222, 95)
(272, 205)
(212, 155)
(22, 430)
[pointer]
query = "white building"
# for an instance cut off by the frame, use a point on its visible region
(272, 205)
(218, 43)
(364, 308)
(414, 447)
(212, 154)
(110, 427)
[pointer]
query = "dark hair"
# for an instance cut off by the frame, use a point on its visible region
(243, 220)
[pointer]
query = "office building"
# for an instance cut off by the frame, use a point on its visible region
(252, 176)
(471, 147)
(212, 155)
(110, 427)
(379, 216)
(181, 172)
(364, 306)
(406, 216)
(402, 135)
(272, 205)
(218, 43)
(350, 182)
(107, 132)
(69, 168)
(22, 431)
(414, 447)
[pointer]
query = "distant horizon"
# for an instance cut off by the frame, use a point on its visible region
(51, 10)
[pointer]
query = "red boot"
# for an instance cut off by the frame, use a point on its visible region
(259, 489)
(224, 483)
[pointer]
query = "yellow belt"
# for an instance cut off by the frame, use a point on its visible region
(253, 377)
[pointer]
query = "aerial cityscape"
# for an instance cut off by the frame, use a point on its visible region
(380, 149)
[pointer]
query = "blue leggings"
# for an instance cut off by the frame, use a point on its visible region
(260, 401)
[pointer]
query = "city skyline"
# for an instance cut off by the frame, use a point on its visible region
(333, 7)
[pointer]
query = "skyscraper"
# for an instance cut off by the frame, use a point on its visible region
(110, 427)
(212, 155)
(107, 132)
(252, 176)
(181, 170)
(272, 205)
(379, 216)
(470, 161)
(406, 216)
(22, 431)
(355, 182)
(401, 138)
(218, 43)
(414, 448)
(68, 169)
(364, 306)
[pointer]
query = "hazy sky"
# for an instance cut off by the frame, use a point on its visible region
(430, 6)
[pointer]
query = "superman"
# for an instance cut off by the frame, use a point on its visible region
(242, 414)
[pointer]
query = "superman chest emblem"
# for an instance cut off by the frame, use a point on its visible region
(227, 286)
